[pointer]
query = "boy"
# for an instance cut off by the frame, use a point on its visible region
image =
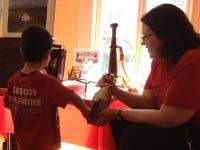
(33, 96)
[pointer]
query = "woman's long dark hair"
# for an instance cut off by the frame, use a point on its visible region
(172, 26)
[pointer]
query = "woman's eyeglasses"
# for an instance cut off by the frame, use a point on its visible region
(145, 36)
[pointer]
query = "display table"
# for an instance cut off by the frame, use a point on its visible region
(2, 120)
(75, 130)
(6, 124)
(74, 127)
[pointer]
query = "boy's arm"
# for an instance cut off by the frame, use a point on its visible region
(80, 104)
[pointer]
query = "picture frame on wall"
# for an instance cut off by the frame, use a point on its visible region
(20, 14)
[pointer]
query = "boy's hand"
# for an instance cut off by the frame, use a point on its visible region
(86, 114)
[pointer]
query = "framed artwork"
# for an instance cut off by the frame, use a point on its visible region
(85, 56)
(87, 62)
(19, 14)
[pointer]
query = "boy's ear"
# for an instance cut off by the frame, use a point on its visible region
(20, 49)
(46, 55)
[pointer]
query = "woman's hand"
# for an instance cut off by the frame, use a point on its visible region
(106, 79)
(105, 116)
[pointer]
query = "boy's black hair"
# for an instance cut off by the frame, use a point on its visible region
(172, 26)
(35, 42)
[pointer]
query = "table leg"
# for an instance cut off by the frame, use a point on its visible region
(1, 145)
(8, 142)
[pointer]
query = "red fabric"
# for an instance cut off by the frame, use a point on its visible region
(75, 129)
(6, 124)
(2, 119)
(33, 100)
(184, 87)
(181, 87)
(157, 81)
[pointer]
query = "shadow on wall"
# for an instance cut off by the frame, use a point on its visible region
(10, 59)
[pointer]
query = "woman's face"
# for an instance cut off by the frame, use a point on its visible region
(151, 42)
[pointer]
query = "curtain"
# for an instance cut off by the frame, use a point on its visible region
(194, 15)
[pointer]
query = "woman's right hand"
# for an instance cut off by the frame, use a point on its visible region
(105, 79)
(108, 79)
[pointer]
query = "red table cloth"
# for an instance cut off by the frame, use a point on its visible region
(6, 124)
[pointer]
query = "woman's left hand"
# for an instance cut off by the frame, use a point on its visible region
(105, 116)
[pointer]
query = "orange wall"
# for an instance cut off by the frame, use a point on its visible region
(84, 23)
(72, 26)
(65, 27)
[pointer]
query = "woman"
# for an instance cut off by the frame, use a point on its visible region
(169, 107)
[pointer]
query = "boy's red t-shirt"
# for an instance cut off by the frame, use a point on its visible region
(181, 87)
(33, 100)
